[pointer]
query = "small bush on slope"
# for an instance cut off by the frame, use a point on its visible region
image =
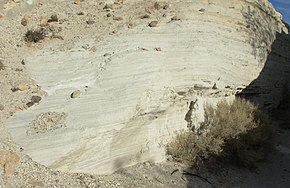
(237, 131)
(34, 35)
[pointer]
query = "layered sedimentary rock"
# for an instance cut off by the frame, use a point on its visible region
(120, 103)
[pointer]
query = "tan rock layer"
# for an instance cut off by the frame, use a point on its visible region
(9, 160)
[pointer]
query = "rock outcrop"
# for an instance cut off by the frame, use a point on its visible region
(133, 97)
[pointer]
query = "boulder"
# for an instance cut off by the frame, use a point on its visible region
(137, 97)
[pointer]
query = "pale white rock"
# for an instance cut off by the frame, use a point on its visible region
(30, 2)
(136, 99)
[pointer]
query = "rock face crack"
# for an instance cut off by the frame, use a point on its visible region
(189, 115)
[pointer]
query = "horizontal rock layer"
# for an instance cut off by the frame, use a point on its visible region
(136, 86)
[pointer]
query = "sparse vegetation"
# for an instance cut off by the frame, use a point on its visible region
(237, 131)
(34, 35)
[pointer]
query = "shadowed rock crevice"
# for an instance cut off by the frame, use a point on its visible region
(268, 89)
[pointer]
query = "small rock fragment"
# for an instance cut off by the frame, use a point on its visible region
(35, 99)
(161, 5)
(131, 25)
(157, 6)
(36, 183)
(78, 2)
(57, 37)
(109, 15)
(23, 87)
(165, 7)
(144, 49)
(113, 32)
(14, 89)
(43, 21)
(181, 93)
(9, 160)
(118, 18)
(61, 21)
(9, 5)
(1, 66)
(90, 22)
(93, 49)
(80, 13)
(214, 86)
(1, 107)
(18, 69)
(106, 54)
(153, 24)
(53, 18)
(75, 94)
(229, 87)
(108, 7)
(29, 104)
(24, 20)
(175, 18)
(148, 11)
(119, 2)
(145, 16)
(201, 10)
(86, 46)
(157, 49)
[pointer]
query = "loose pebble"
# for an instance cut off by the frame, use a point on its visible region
(24, 20)
(75, 94)
(153, 24)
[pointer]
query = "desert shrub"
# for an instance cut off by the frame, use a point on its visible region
(34, 35)
(236, 130)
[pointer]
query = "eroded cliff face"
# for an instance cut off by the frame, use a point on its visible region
(138, 86)
(269, 38)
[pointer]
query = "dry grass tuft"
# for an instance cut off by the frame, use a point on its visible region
(34, 35)
(237, 131)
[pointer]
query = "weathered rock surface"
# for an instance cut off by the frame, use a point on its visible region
(133, 100)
